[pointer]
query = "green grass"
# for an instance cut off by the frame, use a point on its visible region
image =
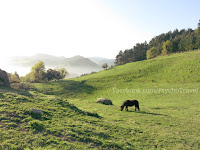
(72, 119)
(61, 125)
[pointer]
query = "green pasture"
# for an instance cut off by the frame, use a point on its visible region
(166, 87)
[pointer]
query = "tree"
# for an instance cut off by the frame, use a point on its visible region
(175, 43)
(198, 36)
(170, 42)
(14, 78)
(152, 53)
(37, 73)
(139, 51)
(53, 74)
(63, 73)
(182, 43)
(167, 47)
(119, 58)
(105, 66)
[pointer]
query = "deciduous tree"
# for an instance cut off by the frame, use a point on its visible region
(152, 53)
(105, 66)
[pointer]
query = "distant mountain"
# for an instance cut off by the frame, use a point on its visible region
(75, 58)
(49, 60)
(76, 65)
(81, 65)
(100, 61)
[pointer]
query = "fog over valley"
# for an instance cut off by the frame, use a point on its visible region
(75, 66)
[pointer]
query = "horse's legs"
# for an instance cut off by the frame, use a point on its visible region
(138, 107)
(126, 108)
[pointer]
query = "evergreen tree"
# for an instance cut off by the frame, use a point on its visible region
(139, 51)
(198, 36)
(119, 59)
(165, 43)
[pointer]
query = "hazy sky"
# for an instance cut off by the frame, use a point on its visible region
(88, 27)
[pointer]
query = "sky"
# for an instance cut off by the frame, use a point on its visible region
(88, 27)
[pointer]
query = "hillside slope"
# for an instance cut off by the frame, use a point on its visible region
(167, 89)
(179, 69)
(61, 125)
(166, 120)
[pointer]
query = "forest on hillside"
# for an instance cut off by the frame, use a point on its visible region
(163, 44)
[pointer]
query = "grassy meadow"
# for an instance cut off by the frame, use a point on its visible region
(166, 88)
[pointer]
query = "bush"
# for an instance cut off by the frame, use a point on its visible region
(14, 78)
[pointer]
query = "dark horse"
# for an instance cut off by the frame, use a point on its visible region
(130, 103)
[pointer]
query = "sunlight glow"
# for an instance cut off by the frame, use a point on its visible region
(64, 28)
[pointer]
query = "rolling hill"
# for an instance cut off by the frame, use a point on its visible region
(166, 88)
(180, 68)
(76, 65)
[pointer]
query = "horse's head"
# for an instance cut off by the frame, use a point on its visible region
(122, 107)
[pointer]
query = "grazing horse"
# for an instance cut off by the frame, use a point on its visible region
(130, 103)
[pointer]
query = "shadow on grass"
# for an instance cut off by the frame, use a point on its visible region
(66, 87)
(147, 113)
(14, 91)
(73, 107)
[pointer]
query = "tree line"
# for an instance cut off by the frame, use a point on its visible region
(163, 44)
(39, 74)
